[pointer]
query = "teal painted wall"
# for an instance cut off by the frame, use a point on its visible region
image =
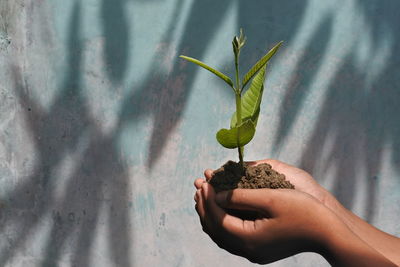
(103, 129)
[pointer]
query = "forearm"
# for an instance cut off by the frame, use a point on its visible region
(385, 244)
(344, 248)
(352, 251)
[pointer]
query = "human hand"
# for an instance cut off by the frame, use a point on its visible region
(386, 244)
(291, 222)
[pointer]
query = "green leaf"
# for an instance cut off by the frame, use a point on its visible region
(251, 99)
(202, 64)
(260, 64)
(237, 136)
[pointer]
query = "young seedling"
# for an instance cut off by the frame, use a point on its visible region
(244, 120)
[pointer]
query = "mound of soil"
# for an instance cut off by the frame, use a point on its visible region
(232, 175)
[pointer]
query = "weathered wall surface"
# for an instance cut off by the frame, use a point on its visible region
(103, 129)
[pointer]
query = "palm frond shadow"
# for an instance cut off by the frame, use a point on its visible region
(57, 133)
(359, 123)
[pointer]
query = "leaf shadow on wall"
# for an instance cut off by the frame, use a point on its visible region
(164, 95)
(94, 194)
(116, 36)
(358, 119)
(99, 183)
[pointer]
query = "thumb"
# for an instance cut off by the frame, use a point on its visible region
(261, 200)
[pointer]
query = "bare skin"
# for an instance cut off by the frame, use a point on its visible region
(293, 221)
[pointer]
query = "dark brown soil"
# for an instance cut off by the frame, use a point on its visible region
(232, 175)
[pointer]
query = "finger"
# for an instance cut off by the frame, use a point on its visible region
(217, 218)
(200, 205)
(260, 200)
(226, 231)
(198, 182)
(208, 174)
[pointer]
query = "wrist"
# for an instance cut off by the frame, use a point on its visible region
(341, 247)
(329, 201)
(346, 217)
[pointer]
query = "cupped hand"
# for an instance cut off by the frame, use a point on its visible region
(306, 219)
(291, 222)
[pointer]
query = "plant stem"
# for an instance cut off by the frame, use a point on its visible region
(239, 121)
(237, 74)
(238, 106)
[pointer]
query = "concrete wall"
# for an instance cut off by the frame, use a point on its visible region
(103, 129)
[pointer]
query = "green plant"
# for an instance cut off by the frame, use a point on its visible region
(244, 120)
